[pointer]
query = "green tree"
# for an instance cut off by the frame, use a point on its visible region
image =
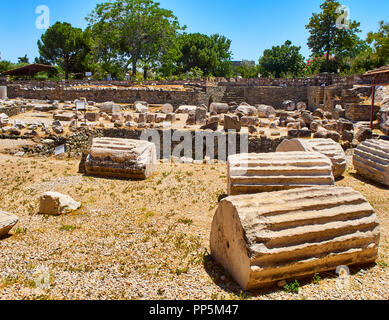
(325, 35)
(61, 44)
(24, 60)
(282, 61)
(247, 70)
(380, 42)
(136, 31)
(211, 54)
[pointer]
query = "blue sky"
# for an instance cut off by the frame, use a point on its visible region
(252, 25)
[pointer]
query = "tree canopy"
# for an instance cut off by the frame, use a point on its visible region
(62, 44)
(132, 32)
(326, 36)
(282, 61)
(211, 54)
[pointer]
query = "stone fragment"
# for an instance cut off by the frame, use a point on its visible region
(264, 172)
(371, 160)
(265, 111)
(289, 105)
(7, 222)
(265, 238)
(232, 123)
(219, 108)
(201, 115)
(167, 108)
(363, 134)
(54, 203)
(191, 118)
(92, 116)
(186, 109)
(210, 126)
(301, 106)
(109, 107)
(327, 147)
(141, 108)
(121, 158)
(249, 121)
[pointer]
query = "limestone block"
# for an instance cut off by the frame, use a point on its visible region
(265, 111)
(219, 108)
(54, 203)
(327, 147)
(7, 222)
(264, 238)
(121, 158)
(186, 109)
(371, 160)
(3, 93)
(264, 172)
(109, 107)
(167, 108)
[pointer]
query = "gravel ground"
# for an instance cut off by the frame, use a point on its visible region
(143, 240)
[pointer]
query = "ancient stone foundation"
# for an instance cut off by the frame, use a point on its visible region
(327, 147)
(252, 173)
(264, 238)
(371, 160)
(121, 158)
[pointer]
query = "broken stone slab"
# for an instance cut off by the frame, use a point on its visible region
(327, 147)
(232, 123)
(141, 108)
(371, 160)
(7, 222)
(265, 111)
(265, 172)
(264, 238)
(289, 105)
(92, 116)
(219, 108)
(55, 203)
(64, 116)
(121, 158)
(186, 109)
(167, 108)
(109, 107)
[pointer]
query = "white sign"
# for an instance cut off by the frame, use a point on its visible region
(88, 74)
(80, 105)
(59, 150)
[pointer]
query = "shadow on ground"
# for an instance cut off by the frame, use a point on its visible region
(216, 272)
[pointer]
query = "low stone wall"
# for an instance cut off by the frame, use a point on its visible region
(275, 96)
(80, 142)
(358, 112)
(15, 110)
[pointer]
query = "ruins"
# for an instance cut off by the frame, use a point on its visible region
(327, 147)
(121, 158)
(266, 237)
(371, 160)
(7, 222)
(254, 173)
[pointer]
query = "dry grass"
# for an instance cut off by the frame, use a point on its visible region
(141, 240)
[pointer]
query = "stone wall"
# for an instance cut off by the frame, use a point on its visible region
(15, 110)
(358, 112)
(275, 96)
(80, 142)
(315, 97)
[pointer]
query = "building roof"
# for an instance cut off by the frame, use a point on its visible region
(29, 70)
(382, 70)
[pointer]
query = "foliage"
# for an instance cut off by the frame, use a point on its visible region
(282, 61)
(247, 70)
(129, 32)
(292, 287)
(24, 59)
(325, 37)
(63, 45)
(380, 42)
(211, 54)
